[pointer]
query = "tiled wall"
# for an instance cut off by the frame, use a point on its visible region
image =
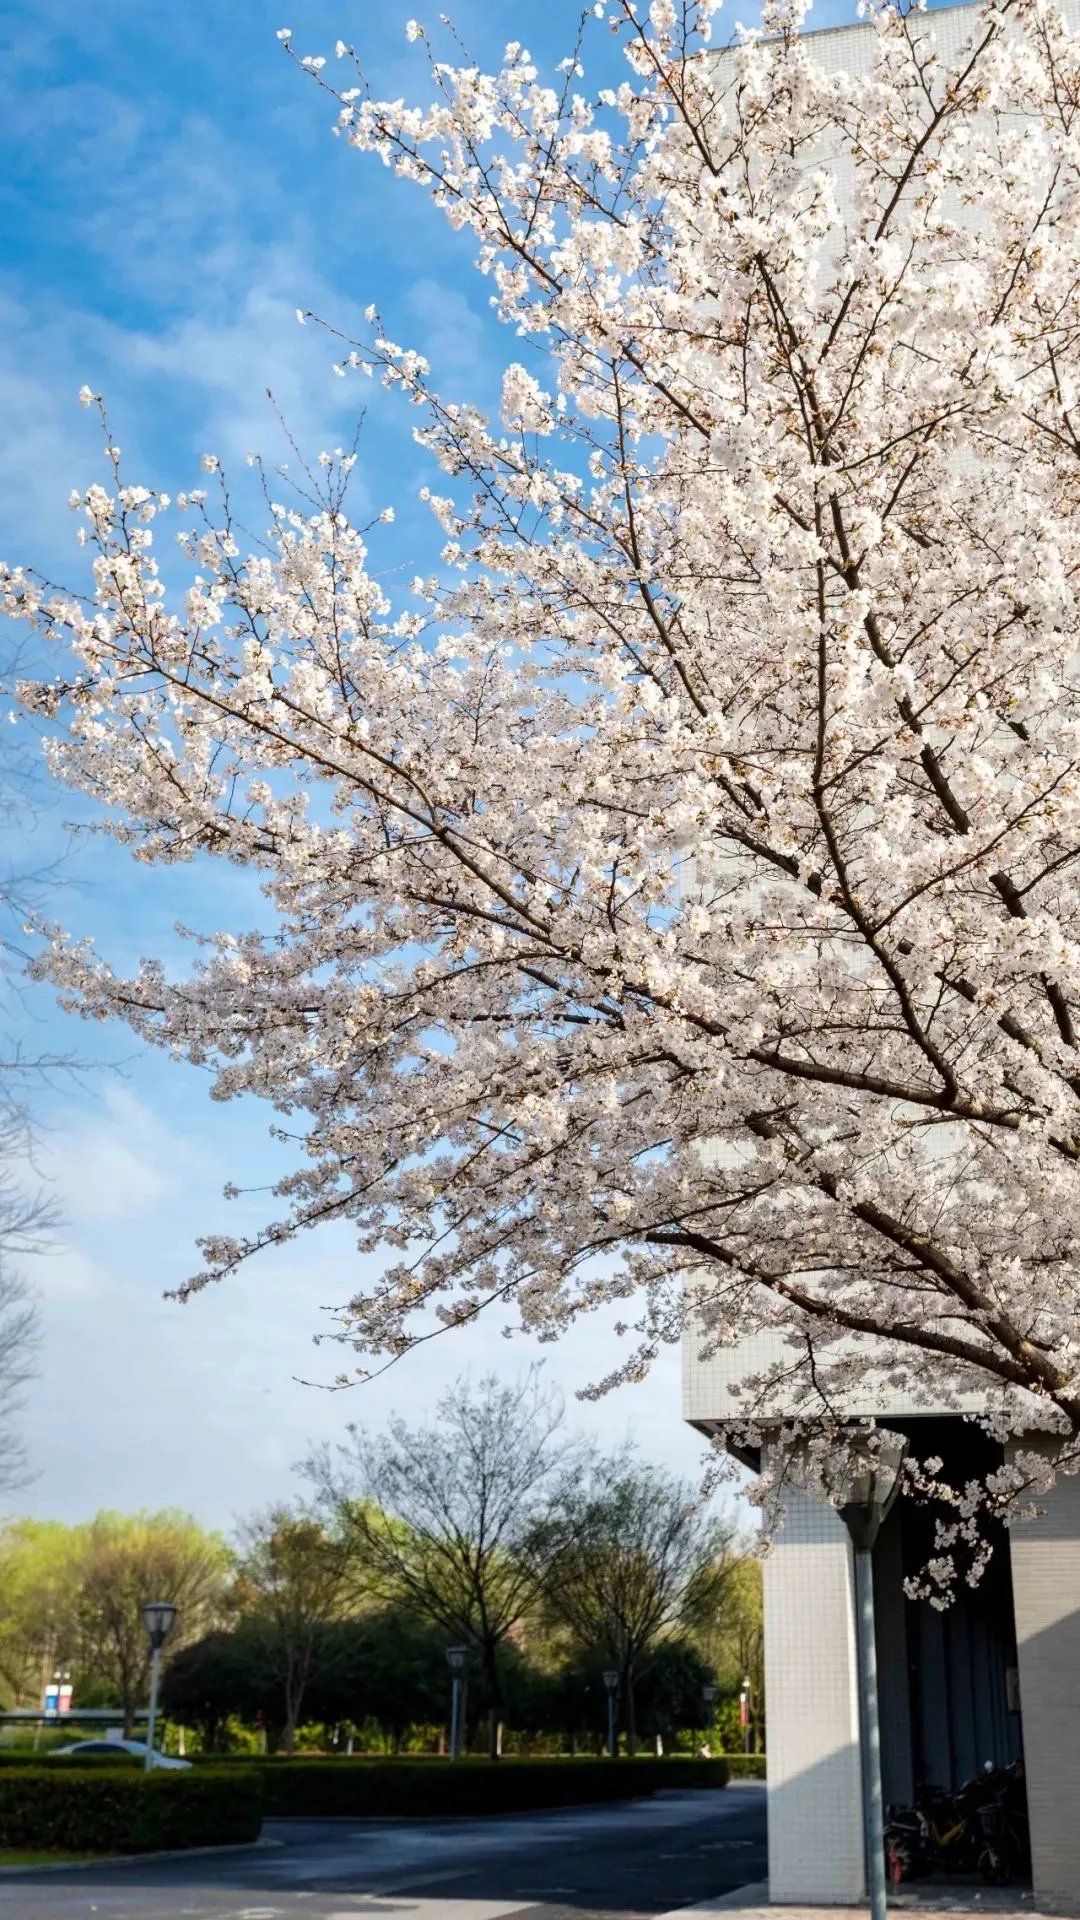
(709, 1379)
(815, 1796)
(1046, 1594)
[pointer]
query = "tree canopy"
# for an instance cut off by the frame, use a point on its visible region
(681, 882)
(73, 1596)
(626, 1558)
(440, 1513)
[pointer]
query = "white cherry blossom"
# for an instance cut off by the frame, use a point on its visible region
(682, 885)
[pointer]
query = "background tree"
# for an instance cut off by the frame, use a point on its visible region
(733, 1642)
(668, 1692)
(125, 1562)
(440, 1513)
(217, 1678)
(25, 1220)
(388, 1666)
(27, 1215)
(295, 1575)
(626, 1558)
(40, 1570)
(19, 1334)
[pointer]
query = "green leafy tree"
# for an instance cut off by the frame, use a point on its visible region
(669, 1691)
(626, 1559)
(127, 1560)
(733, 1640)
(296, 1576)
(40, 1571)
(389, 1666)
(216, 1679)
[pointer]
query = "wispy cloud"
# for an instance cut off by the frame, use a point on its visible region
(117, 1161)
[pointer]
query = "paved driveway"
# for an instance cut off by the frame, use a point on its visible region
(641, 1858)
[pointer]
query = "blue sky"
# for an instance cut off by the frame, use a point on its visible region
(170, 193)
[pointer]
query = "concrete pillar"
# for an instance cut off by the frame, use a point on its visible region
(1046, 1596)
(815, 1793)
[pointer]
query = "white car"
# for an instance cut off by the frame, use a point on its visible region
(136, 1748)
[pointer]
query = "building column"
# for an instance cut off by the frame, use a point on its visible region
(814, 1785)
(1046, 1596)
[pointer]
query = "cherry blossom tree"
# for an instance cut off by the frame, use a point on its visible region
(681, 883)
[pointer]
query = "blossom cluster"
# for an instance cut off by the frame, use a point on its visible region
(682, 885)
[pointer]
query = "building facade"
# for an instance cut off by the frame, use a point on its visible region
(993, 1676)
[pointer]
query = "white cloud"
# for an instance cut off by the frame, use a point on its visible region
(232, 351)
(47, 436)
(117, 1161)
(66, 1273)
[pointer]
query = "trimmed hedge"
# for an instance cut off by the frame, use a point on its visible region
(746, 1766)
(91, 1810)
(361, 1788)
(55, 1762)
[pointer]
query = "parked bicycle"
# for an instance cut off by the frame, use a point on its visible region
(979, 1827)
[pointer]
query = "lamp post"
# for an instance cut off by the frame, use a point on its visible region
(708, 1701)
(870, 1492)
(744, 1712)
(157, 1618)
(611, 1682)
(457, 1659)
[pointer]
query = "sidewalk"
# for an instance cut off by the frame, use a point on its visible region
(752, 1903)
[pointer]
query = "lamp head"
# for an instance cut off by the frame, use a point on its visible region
(611, 1679)
(708, 1694)
(872, 1485)
(157, 1618)
(457, 1659)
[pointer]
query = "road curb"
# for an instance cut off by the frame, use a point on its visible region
(93, 1861)
(751, 1897)
(933, 1903)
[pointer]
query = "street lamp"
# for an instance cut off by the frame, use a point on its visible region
(708, 1702)
(457, 1659)
(744, 1712)
(157, 1618)
(611, 1682)
(871, 1488)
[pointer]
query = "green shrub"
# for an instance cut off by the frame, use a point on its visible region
(116, 1810)
(26, 1757)
(373, 1788)
(746, 1766)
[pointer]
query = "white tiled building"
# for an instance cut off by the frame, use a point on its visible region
(998, 1671)
(951, 1683)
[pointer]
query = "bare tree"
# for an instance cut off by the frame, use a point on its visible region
(294, 1579)
(626, 1557)
(18, 1343)
(441, 1513)
(26, 1215)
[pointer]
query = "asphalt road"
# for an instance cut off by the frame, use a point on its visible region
(644, 1857)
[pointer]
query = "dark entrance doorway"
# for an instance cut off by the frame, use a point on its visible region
(948, 1675)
